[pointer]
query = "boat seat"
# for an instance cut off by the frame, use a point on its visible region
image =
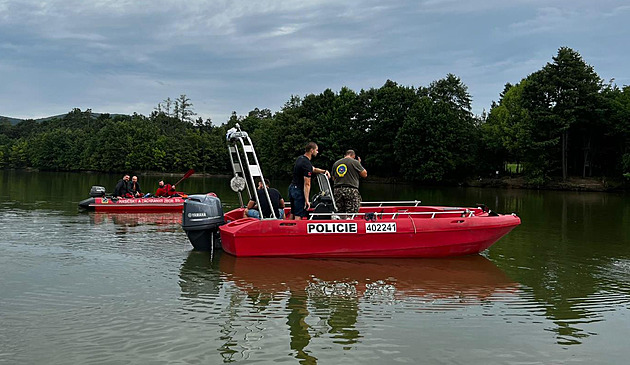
(322, 204)
(325, 190)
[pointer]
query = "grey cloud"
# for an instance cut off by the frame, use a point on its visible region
(126, 56)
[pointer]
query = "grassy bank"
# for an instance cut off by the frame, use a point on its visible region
(572, 184)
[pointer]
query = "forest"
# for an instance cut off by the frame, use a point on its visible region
(560, 121)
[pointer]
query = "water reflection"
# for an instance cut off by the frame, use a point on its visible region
(570, 258)
(135, 219)
(323, 298)
(471, 278)
(165, 222)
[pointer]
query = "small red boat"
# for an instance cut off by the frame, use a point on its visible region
(137, 205)
(100, 203)
(382, 229)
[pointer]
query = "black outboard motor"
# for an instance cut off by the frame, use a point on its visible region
(203, 214)
(97, 191)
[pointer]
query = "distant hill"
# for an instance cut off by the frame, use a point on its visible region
(15, 121)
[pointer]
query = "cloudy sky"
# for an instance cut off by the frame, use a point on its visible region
(126, 56)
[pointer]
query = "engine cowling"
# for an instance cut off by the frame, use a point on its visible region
(202, 217)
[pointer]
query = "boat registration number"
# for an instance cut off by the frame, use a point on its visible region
(380, 227)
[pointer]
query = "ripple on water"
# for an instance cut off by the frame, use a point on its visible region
(85, 289)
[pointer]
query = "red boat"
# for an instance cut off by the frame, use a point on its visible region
(137, 205)
(383, 229)
(396, 231)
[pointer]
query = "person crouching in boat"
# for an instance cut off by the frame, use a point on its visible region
(346, 173)
(134, 187)
(300, 187)
(122, 188)
(276, 201)
(165, 190)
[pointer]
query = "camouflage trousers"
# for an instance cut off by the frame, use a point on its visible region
(347, 199)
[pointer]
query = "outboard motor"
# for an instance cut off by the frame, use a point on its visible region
(97, 191)
(203, 214)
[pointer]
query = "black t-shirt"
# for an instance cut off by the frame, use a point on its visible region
(275, 197)
(121, 188)
(303, 168)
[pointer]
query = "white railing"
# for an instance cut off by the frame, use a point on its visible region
(414, 203)
(463, 212)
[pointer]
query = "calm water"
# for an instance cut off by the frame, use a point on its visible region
(119, 289)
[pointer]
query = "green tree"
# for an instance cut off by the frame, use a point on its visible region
(436, 141)
(184, 109)
(563, 99)
(506, 132)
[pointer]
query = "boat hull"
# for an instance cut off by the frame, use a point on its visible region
(136, 205)
(414, 236)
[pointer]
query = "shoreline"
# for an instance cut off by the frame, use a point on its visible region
(592, 184)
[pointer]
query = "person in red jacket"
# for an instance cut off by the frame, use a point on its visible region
(166, 190)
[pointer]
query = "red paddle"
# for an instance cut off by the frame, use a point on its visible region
(186, 176)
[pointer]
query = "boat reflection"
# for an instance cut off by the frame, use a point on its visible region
(324, 298)
(167, 219)
(470, 278)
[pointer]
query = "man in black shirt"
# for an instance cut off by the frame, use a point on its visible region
(277, 203)
(300, 187)
(122, 188)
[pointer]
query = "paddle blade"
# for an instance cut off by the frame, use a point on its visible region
(186, 176)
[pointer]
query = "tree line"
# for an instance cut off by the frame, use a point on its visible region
(559, 121)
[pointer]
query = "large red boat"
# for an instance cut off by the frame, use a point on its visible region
(392, 231)
(381, 229)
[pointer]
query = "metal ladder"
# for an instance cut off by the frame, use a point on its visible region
(240, 147)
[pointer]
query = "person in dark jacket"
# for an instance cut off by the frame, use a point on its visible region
(134, 187)
(122, 188)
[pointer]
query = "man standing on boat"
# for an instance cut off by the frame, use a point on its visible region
(300, 187)
(346, 173)
(122, 188)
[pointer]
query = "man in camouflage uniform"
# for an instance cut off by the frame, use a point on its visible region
(345, 174)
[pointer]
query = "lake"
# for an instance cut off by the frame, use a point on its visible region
(88, 288)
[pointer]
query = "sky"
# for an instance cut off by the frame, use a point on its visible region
(127, 56)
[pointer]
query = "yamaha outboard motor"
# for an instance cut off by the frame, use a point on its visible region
(203, 214)
(97, 191)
